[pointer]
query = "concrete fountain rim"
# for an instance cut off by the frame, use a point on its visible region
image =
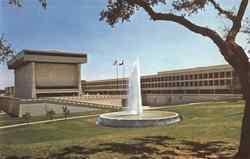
(109, 121)
(109, 115)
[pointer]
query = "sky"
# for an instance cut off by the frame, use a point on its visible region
(75, 26)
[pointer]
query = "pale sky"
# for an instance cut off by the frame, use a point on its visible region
(75, 26)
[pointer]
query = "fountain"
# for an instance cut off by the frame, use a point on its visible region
(134, 91)
(134, 116)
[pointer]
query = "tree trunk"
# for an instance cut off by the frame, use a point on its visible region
(244, 149)
(236, 56)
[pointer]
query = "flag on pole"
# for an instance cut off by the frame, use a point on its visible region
(121, 62)
(115, 62)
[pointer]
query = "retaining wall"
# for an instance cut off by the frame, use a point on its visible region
(9, 105)
(38, 107)
(167, 99)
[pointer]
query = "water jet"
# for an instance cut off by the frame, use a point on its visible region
(134, 115)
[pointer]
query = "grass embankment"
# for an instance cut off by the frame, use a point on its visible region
(6, 120)
(208, 130)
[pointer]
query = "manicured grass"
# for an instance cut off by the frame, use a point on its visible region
(208, 130)
(8, 120)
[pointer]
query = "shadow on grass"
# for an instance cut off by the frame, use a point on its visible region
(149, 147)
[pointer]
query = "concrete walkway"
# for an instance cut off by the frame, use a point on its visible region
(46, 121)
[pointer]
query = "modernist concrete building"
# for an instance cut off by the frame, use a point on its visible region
(40, 73)
(9, 91)
(205, 83)
(218, 79)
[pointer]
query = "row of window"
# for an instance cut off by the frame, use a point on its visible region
(216, 91)
(114, 82)
(211, 75)
(227, 74)
(172, 84)
(190, 84)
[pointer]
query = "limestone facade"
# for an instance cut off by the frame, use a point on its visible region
(40, 73)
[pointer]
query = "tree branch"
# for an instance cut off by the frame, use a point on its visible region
(213, 35)
(237, 22)
(229, 14)
(19, 3)
(6, 52)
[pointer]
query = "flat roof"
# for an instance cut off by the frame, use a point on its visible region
(46, 56)
(196, 69)
(103, 80)
(53, 53)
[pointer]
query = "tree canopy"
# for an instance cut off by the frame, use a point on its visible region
(6, 51)
(19, 3)
(178, 11)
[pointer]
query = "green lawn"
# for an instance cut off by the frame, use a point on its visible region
(208, 130)
(8, 120)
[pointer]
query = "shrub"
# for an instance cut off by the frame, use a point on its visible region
(26, 117)
(50, 114)
(66, 111)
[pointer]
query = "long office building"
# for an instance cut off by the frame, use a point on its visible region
(212, 80)
(219, 79)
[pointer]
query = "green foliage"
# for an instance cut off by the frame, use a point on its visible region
(19, 3)
(66, 111)
(50, 114)
(175, 11)
(122, 10)
(27, 117)
(6, 52)
(189, 6)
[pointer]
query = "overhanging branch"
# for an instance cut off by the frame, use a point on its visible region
(237, 22)
(229, 14)
(213, 35)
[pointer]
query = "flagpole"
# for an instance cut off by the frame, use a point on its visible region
(117, 78)
(116, 74)
(124, 81)
(121, 63)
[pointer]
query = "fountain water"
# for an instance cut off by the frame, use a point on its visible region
(134, 115)
(134, 91)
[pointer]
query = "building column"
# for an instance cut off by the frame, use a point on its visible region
(33, 76)
(79, 79)
(15, 83)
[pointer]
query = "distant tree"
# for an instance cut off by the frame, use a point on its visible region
(50, 114)
(66, 111)
(179, 11)
(6, 52)
(19, 3)
(27, 117)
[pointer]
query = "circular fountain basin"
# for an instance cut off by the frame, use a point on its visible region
(148, 118)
